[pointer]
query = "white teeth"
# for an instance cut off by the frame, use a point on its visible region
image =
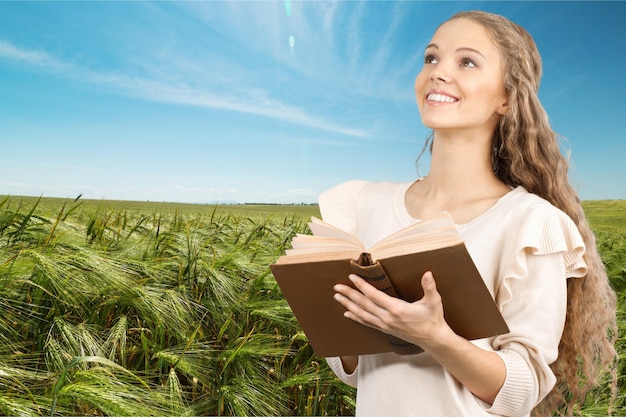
(440, 98)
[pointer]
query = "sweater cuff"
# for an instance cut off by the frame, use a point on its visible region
(517, 395)
(337, 367)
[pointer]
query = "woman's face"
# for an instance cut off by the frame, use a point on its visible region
(461, 86)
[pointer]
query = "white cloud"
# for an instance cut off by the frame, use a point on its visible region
(177, 193)
(31, 57)
(46, 190)
(239, 99)
(294, 195)
(336, 45)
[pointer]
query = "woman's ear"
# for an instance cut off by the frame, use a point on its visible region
(504, 107)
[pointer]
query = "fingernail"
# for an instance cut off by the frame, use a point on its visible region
(428, 276)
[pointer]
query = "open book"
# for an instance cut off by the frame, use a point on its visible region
(308, 272)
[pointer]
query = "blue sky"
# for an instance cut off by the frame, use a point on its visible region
(208, 101)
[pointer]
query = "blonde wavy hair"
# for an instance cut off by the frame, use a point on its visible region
(526, 152)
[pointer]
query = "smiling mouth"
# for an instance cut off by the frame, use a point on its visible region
(440, 98)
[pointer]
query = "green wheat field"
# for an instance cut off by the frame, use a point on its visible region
(153, 309)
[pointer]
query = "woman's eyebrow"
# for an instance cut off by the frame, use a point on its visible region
(471, 50)
(461, 49)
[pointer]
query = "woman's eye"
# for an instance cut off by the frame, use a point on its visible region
(467, 63)
(429, 59)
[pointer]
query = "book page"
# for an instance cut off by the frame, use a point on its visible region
(315, 244)
(321, 228)
(423, 242)
(303, 257)
(440, 222)
(436, 232)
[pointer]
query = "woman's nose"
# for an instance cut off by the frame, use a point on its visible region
(439, 75)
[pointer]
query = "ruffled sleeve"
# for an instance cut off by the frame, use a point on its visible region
(338, 205)
(544, 250)
(544, 231)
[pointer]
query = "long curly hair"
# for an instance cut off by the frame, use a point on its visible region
(526, 152)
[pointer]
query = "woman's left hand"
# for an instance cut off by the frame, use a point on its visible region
(421, 322)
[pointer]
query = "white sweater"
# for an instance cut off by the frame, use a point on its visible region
(524, 248)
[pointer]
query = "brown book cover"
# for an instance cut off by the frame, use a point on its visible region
(307, 285)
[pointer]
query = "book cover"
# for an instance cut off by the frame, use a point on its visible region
(307, 279)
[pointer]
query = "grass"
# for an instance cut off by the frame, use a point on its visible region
(606, 215)
(145, 308)
(51, 206)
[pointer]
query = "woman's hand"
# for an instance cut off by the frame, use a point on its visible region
(422, 323)
(419, 322)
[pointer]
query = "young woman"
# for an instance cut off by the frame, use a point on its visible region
(497, 168)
